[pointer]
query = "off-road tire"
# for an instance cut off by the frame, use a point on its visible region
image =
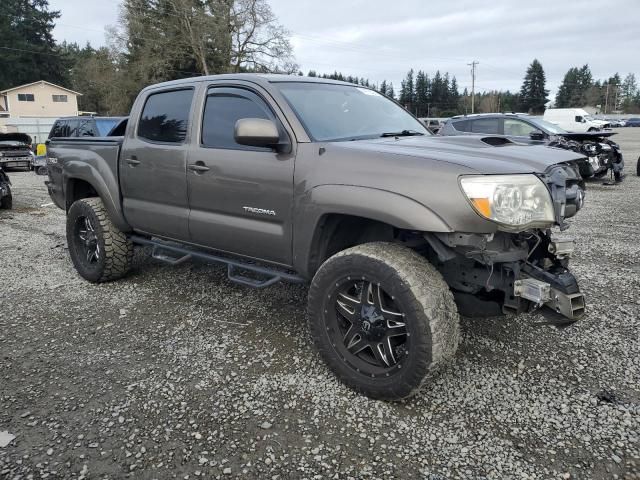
(638, 167)
(42, 170)
(7, 202)
(117, 250)
(431, 316)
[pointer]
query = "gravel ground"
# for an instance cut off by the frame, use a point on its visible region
(176, 373)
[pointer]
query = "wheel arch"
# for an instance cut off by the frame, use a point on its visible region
(335, 217)
(87, 184)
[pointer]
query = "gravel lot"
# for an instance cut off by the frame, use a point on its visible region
(176, 373)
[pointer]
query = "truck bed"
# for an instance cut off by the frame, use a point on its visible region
(84, 157)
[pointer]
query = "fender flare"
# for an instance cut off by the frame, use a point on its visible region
(376, 204)
(96, 178)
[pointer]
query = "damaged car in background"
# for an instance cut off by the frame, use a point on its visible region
(602, 154)
(15, 151)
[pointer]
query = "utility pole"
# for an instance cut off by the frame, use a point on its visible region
(473, 84)
(606, 99)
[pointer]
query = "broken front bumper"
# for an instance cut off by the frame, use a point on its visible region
(516, 273)
(540, 293)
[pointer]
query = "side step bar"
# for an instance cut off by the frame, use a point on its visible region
(176, 254)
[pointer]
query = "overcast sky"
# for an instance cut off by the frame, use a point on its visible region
(384, 39)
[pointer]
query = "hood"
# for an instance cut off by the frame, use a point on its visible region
(486, 155)
(580, 137)
(15, 138)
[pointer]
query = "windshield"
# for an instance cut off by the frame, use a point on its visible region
(332, 112)
(548, 126)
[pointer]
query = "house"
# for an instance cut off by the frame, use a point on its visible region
(38, 100)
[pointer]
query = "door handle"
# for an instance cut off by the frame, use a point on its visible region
(198, 167)
(132, 161)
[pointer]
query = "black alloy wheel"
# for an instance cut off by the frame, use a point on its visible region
(366, 327)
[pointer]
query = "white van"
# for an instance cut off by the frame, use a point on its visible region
(572, 119)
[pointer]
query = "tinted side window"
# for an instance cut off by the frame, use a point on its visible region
(165, 116)
(223, 109)
(462, 126)
(56, 129)
(64, 128)
(86, 128)
(518, 128)
(486, 125)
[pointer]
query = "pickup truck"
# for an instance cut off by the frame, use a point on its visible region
(284, 178)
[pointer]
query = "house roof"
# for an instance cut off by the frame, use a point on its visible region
(35, 83)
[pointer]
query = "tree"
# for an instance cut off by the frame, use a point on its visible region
(630, 95)
(533, 95)
(390, 92)
(28, 52)
(422, 95)
(407, 91)
(574, 88)
(167, 39)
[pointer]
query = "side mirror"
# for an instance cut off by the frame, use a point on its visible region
(536, 135)
(257, 132)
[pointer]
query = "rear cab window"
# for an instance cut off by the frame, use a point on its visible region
(65, 127)
(165, 116)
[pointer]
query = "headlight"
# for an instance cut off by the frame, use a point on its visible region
(521, 201)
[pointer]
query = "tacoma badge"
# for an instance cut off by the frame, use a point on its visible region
(261, 211)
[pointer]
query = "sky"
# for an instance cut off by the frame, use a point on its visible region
(382, 40)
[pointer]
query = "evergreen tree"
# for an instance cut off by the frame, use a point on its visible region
(390, 92)
(422, 94)
(407, 92)
(533, 95)
(28, 51)
(574, 88)
(383, 87)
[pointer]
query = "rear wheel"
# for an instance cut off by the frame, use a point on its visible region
(638, 167)
(42, 170)
(383, 319)
(99, 251)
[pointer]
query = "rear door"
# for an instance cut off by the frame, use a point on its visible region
(153, 165)
(240, 196)
(490, 126)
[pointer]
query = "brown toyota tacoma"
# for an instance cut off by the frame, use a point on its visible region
(311, 180)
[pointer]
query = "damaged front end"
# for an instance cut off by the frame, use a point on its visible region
(602, 154)
(517, 271)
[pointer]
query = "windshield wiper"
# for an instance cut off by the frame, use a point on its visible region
(403, 133)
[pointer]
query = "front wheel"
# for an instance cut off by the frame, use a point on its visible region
(383, 319)
(99, 251)
(638, 167)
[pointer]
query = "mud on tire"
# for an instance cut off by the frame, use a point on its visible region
(99, 251)
(404, 315)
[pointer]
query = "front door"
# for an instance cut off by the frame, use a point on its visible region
(521, 131)
(153, 166)
(240, 196)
